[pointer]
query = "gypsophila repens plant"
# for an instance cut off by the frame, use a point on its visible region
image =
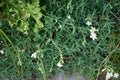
(42, 38)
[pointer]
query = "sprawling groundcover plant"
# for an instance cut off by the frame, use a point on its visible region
(44, 39)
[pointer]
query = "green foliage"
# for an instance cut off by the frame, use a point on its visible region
(20, 12)
(64, 37)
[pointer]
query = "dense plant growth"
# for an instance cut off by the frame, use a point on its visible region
(40, 38)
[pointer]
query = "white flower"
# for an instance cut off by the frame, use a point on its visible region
(88, 23)
(1, 51)
(59, 64)
(34, 55)
(92, 30)
(68, 17)
(60, 26)
(109, 75)
(116, 75)
(103, 69)
(93, 36)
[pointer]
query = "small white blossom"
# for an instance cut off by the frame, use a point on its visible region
(116, 75)
(69, 17)
(60, 26)
(59, 64)
(103, 69)
(109, 75)
(34, 55)
(88, 23)
(1, 51)
(93, 36)
(92, 30)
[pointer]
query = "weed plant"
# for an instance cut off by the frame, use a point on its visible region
(65, 39)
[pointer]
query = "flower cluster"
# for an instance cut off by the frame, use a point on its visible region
(93, 35)
(110, 73)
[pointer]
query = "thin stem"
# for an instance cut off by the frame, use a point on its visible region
(13, 49)
(106, 60)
